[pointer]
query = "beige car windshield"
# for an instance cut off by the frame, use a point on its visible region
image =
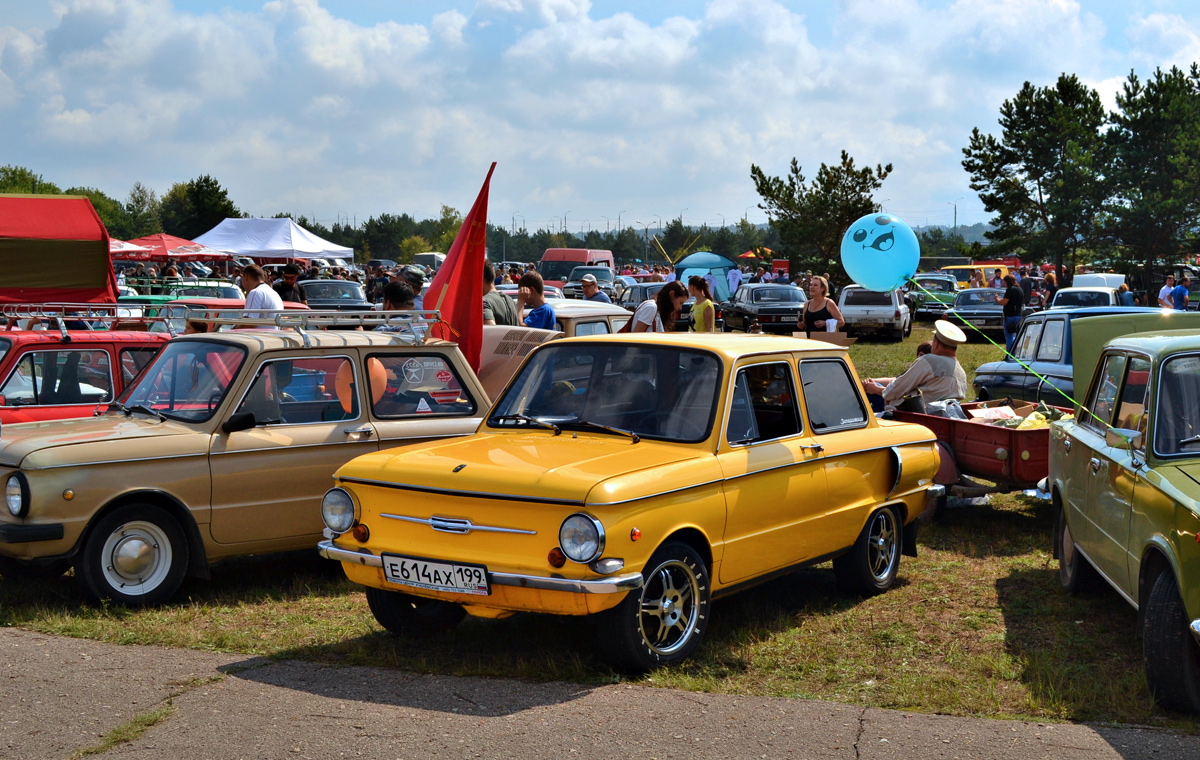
(188, 380)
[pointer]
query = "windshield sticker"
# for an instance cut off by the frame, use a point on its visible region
(423, 407)
(1186, 364)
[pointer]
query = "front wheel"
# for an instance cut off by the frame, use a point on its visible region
(663, 622)
(136, 556)
(413, 617)
(870, 567)
(1172, 657)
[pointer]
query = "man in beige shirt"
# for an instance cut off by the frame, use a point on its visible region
(937, 375)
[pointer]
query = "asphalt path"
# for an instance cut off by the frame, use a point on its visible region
(59, 696)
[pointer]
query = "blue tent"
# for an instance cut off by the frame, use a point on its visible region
(706, 262)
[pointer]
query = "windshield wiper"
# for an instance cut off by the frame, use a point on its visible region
(114, 405)
(129, 410)
(1193, 439)
(588, 423)
(526, 418)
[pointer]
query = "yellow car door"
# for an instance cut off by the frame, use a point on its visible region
(268, 479)
(774, 477)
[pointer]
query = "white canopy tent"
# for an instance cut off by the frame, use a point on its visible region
(270, 239)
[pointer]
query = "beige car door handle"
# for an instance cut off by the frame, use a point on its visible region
(1067, 444)
(366, 431)
(1094, 463)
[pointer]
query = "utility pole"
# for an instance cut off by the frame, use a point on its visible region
(954, 203)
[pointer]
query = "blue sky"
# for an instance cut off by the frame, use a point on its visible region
(594, 110)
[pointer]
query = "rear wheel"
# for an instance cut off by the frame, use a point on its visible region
(663, 622)
(413, 617)
(135, 555)
(870, 567)
(1074, 571)
(1172, 657)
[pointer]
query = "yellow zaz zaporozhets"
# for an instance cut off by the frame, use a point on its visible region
(637, 477)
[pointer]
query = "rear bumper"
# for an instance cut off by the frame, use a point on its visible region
(24, 534)
(617, 584)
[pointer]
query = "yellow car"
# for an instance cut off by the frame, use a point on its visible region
(636, 478)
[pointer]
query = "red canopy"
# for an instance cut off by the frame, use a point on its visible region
(164, 247)
(53, 248)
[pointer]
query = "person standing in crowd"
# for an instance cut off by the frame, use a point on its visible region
(704, 314)
(1051, 288)
(998, 280)
(976, 280)
(259, 295)
(670, 274)
(288, 288)
(498, 309)
(658, 314)
(757, 276)
(591, 289)
(1012, 300)
(1179, 295)
(397, 296)
(530, 292)
(820, 309)
(416, 280)
(1026, 283)
(733, 278)
(188, 275)
(1125, 296)
(1164, 295)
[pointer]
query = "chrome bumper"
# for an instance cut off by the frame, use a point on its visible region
(617, 584)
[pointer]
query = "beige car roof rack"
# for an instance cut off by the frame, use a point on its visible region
(113, 316)
(415, 324)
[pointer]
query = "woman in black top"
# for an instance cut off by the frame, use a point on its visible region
(1013, 301)
(819, 309)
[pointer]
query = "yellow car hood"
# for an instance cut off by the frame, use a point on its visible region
(21, 440)
(533, 465)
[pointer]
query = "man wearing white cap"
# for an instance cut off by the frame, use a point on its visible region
(591, 289)
(937, 375)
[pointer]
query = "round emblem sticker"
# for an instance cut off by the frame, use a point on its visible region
(445, 376)
(413, 371)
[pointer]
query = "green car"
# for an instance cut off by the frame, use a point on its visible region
(1124, 477)
(934, 296)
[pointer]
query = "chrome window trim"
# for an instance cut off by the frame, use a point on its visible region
(463, 388)
(733, 375)
(1062, 339)
(456, 525)
(1156, 375)
(112, 388)
(866, 407)
(269, 360)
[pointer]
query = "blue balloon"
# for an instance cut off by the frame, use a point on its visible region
(880, 252)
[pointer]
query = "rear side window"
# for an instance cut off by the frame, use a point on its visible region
(1028, 341)
(1131, 412)
(303, 391)
(831, 396)
(411, 385)
(1104, 394)
(763, 406)
(1051, 349)
(57, 378)
(591, 328)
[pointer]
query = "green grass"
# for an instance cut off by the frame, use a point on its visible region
(976, 625)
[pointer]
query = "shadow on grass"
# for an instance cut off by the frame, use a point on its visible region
(1079, 654)
(1008, 526)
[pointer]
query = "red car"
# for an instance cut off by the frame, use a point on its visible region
(47, 376)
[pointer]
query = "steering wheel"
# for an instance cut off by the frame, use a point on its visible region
(688, 428)
(213, 400)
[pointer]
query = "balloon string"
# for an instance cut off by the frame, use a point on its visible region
(1017, 359)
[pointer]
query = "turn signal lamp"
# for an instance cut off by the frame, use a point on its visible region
(361, 533)
(556, 558)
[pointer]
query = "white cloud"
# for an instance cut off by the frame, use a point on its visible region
(448, 27)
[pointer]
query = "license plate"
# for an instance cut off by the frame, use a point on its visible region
(978, 321)
(868, 322)
(436, 576)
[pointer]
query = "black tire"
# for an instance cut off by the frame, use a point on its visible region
(908, 328)
(726, 326)
(16, 569)
(135, 556)
(871, 565)
(663, 622)
(413, 617)
(1074, 571)
(1172, 657)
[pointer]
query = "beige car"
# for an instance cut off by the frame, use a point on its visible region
(576, 317)
(224, 447)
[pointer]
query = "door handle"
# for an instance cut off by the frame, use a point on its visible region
(1094, 463)
(366, 431)
(815, 448)
(1067, 444)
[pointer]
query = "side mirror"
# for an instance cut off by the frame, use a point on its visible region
(239, 421)
(1123, 438)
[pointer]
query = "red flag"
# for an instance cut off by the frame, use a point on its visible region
(457, 288)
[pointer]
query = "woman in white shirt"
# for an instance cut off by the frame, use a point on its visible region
(658, 314)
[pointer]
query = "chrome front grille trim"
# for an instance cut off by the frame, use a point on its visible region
(455, 525)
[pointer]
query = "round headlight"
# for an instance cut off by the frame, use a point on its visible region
(581, 538)
(337, 510)
(16, 495)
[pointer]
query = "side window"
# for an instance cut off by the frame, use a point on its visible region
(303, 391)
(591, 328)
(133, 360)
(1104, 394)
(831, 396)
(763, 406)
(1051, 348)
(1131, 412)
(1027, 341)
(410, 385)
(48, 378)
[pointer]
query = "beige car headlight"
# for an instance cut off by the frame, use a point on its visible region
(337, 510)
(16, 495)
(581, 538)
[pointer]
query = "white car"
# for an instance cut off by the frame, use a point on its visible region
(1089, 296)
(870, 311)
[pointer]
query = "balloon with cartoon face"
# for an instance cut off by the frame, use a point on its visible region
(880, 252)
